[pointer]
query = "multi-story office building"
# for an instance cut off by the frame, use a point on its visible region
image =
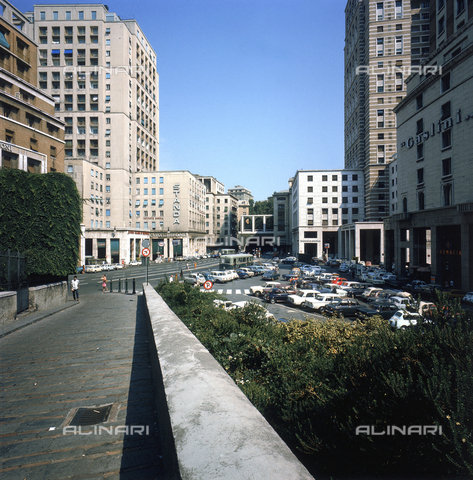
(321, 202)
(213, 188)
(282, 218)
(243, 195)
(101, 72)
(383, 40)
(171, 206)
(431, 227)
(31, 137)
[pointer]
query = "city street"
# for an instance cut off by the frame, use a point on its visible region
(235, 291)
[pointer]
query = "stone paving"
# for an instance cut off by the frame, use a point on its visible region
(92, 354)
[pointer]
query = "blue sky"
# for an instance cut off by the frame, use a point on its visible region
(250, 90)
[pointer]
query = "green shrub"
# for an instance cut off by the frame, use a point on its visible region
(317, 381)
(40, 216)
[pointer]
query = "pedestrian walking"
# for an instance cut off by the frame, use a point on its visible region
(104, 283)
(75, 288)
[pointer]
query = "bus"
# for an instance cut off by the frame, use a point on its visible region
(236, 261)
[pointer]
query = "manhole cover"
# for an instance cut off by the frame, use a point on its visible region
(91, 416)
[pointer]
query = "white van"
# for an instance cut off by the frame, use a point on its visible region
(221, 276)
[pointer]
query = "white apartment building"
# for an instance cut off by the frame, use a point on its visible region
(101, 72)
(321, 202)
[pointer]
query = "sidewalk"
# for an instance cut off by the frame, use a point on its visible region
(80, 355)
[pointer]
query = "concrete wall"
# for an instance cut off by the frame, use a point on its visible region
(47, 296)
(7, 307)
(217, 432)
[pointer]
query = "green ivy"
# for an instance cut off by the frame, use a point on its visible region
(40, 216)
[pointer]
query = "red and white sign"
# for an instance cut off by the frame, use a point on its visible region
(208, 285)
(145, 252)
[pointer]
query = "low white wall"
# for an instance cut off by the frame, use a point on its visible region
(47, 296)
(7, 307)
(217, 432)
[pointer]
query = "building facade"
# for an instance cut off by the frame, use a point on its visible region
(101, 72)
(321, 201)
(383, 41)
(431, 226)
(31, 137)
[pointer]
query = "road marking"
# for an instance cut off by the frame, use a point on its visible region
(220, 291)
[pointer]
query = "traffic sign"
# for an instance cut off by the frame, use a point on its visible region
(208, 285)
(145, 252)
(145, 243)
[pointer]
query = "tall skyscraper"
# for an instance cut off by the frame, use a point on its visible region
(384, 43)
(101, 72)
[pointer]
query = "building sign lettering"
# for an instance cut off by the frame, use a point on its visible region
(176, 207)
(439, 127)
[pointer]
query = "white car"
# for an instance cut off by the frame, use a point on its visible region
(93, 268)
(233, 274)
(268, 316)
(258, 290)
(248, 271)
(320, 300)
(134, 263)
(299, 298)
(221, 276)
(118, 266)
(468, 297)
(403, 319)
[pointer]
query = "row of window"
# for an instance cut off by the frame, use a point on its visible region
(80, 15)
(310, 200)
(345, 178)
(354, 188)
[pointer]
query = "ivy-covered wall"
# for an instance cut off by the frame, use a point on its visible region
(40, 216)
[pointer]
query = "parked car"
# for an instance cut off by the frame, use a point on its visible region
(134, 263)
(194, 278)
(93, 268)
(320, 300)
(381, 308)
(221, 276)
(291, 276)
(208, 276)
(259, 290)
(402, 302)
(468, 297)
(346, 307)
(118, 266)
(370, 292)
(276, 295)
(403, 319)
(289, 260)
(242, 273)
(248, 271)
(298, 298)
(225, 304)
(270, 275)
(263, 310)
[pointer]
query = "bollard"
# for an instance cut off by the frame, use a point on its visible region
(134, 287)
(126, 285)
(119, 282)
(111, 286)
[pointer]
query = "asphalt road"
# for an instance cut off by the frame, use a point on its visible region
(235, 291)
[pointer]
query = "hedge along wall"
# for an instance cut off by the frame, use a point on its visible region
(40, 216)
